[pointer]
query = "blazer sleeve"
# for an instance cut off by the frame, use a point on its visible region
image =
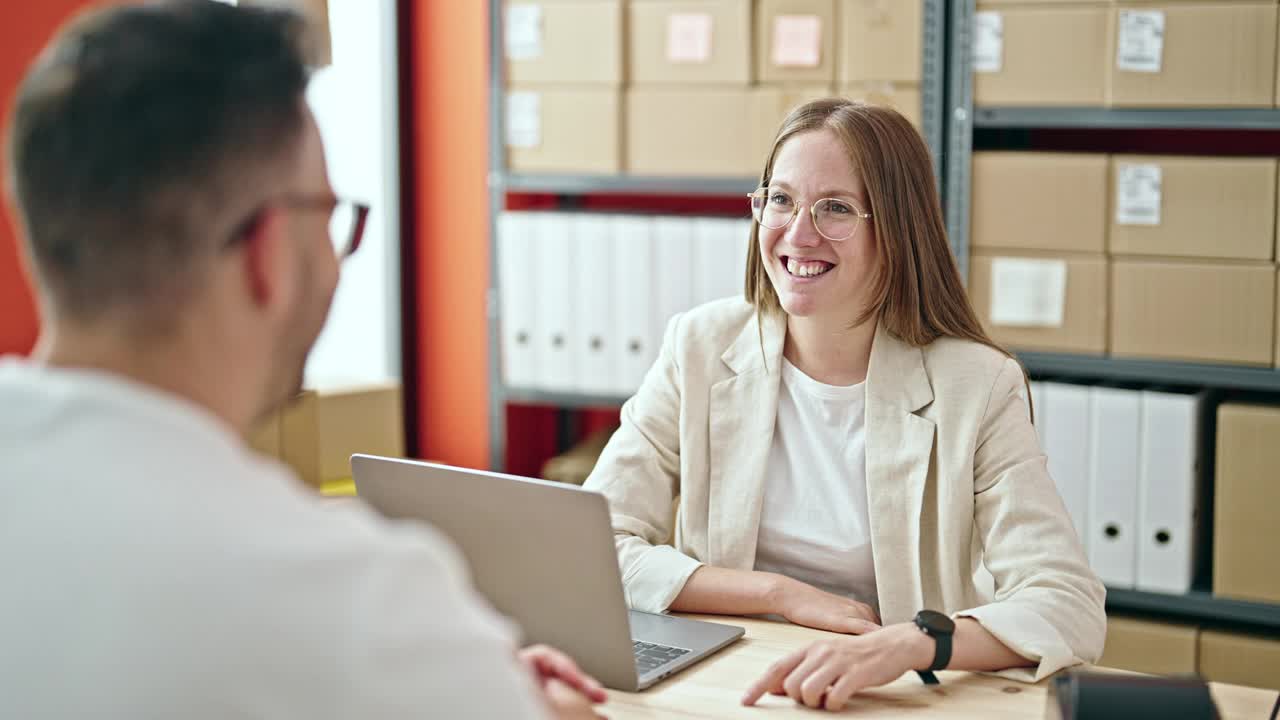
(639, 473)
(1048, 604)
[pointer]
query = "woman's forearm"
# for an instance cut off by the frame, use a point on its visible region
(975, 649)
(729, 592)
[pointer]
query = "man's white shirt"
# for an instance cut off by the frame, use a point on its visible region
(155, 567)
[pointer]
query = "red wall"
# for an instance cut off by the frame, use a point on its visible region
(24, 28)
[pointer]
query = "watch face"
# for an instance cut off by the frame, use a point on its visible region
(935, 622)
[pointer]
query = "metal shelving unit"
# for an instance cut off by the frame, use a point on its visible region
(1196, 606)
(933, 120)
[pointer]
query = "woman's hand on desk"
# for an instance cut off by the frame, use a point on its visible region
(806, 605)
(829, 672)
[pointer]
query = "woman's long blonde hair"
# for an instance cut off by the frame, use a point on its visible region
(916, 291)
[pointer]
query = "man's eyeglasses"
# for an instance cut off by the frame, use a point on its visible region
(347, 220)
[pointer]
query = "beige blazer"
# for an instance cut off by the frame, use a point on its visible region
(964, 516)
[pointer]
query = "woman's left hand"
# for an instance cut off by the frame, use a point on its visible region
(828, 672)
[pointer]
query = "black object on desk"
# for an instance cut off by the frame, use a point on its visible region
(1085, 695)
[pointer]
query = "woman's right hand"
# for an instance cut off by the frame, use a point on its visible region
(806, 605)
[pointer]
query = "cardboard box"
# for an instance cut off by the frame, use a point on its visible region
(564, 130)
(795, 41)
(903, 98)
(1240, 659)
(1039, 201)
(1082, 297)
(1193, 207)
(705, 131)
(317, 42)
(1207, 312)
(1211, 55)
(563, 42)
(880, 40)
(1043, 56)
(320, 430)
(689, 42)
(1246, 565)
(1150, 647)
(771, 106)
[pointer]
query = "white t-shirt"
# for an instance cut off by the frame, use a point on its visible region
(814, 524)
(152, 566)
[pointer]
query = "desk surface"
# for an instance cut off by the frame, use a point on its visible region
(714, 687)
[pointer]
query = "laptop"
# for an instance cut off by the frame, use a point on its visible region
(543, 554)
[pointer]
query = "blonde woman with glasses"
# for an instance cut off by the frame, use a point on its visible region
(846, 448)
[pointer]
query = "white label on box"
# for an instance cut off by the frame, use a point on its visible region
(1028, 293)
(689, 37)
(524, 32)
(1138, 194)
(524, 119)
(1140, 47)
(797, 40)
(988, 42)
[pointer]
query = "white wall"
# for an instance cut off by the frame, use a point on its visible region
(354, 101)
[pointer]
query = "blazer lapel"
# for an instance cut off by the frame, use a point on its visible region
(899, 446)
(742, 413)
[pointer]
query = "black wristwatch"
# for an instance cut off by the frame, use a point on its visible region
(940, 628)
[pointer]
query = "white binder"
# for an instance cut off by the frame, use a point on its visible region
(672, 269)
(515, 298)
(634, 334)
(1067, 447)
(1114, 452)
(708, 260)
(553, 262)
(592, 333)
(1167, 500)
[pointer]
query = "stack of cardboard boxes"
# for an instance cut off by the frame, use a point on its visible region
(1184, 53)
(692, 87)
(1140, 256)
(564, 78)
(319, 431)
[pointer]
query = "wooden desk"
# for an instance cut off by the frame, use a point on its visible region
(714, 688)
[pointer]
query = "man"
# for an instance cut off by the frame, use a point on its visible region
(175, 207)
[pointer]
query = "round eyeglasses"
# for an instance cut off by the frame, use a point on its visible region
(834, 219)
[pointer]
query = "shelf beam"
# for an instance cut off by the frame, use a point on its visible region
(1118, 118)
(626, 184)
(1155, 372)
(1197, 606)
(562, 399)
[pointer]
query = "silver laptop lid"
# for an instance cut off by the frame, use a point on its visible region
(542, 553)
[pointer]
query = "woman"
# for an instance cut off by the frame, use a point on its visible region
(848, 447)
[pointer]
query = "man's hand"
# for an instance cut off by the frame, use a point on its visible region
(806, 605)
(829, 672)
(548, 664)
(567, 703)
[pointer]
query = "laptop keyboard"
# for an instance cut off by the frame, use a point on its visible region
(650, 656)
